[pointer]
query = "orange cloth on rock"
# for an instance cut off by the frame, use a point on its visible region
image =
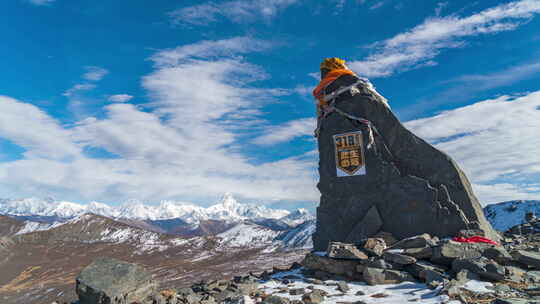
(329, 78)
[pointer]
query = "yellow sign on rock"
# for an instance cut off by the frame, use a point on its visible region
(349, 149)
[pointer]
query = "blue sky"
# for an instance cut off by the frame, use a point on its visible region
(114, 100)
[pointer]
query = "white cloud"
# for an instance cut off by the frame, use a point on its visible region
(237, 11)
(95, 73)
(79, 88)
(208, 49)
(496, 193)
(418, 46)
(288, 131)
(187, 143)
(377, 5)
(495, 141)
(35, 131)
(120, 98)
(41, 2)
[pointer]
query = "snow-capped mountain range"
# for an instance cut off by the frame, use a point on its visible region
(227, 209)
(233, 223)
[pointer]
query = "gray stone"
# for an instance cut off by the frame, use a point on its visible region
(465, 275)
(314, 297)
(482, 266)
(414, 187)
(333, 266)
(398, 258)
(419, 253)
(416, 241)
(275, 300)
(527, 257)
(446, 252)
(374, 246)
(360, 293)
(532, 276)
(380, 263)
(297, 291)
(431, 276)
(417, 269)
(339, 250)
(376, 276)
(343, 287)
(368, 226)
(499, 254)
(388, 238)
(110, 281)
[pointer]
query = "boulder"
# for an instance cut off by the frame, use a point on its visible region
(419, 253)
(388, 238)
(417, 269)
(343, 287)
(339, 250)
(398, 258)
(409, 185)
(482, 266)
(314, 297)
(374, 246)
(446, 252)
(417, 241)
(529, 258)
(376, 276)
(110, 281)
(334, 266)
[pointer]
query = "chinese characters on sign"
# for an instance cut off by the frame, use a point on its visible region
(349, 154)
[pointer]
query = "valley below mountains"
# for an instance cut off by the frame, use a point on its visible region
(44, 244)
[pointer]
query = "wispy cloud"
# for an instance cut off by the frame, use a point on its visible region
(465, 87)
(41, 2)
(377, 5)
(420, 45)
(186, 143)
(286, 132)
(496, 141)
(120, 98)
(237, 11)
(95, 73)
(80, 87)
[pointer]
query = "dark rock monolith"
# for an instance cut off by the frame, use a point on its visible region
(409, 187)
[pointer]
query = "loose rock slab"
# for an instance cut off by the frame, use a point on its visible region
(110, 281)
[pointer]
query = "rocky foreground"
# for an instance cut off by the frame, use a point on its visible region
(421, 269)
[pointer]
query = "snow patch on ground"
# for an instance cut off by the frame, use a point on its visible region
(243, 235)
(478, 286)
(406, 292)
(35, 226)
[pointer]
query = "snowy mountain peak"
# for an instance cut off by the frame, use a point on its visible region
(227, 209)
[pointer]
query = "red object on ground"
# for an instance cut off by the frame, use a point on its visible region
(474, 239)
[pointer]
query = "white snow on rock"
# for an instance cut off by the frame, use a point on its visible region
(506, 215)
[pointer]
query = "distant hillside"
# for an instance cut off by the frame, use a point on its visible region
(505, 215)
